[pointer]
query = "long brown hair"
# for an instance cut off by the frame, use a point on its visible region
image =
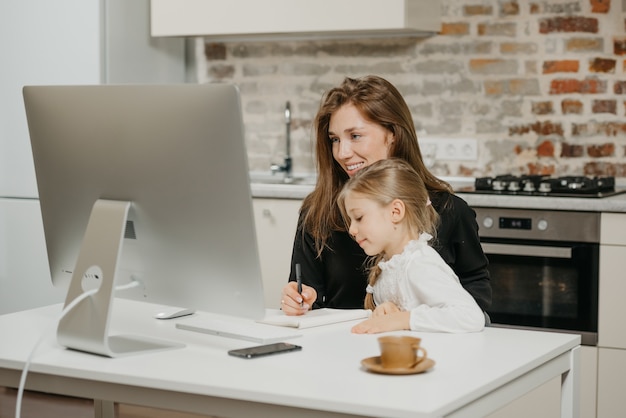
(383, 182)
(380, 102)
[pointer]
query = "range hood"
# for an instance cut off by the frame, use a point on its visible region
(259, 20)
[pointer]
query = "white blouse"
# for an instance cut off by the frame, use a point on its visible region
(420, 281)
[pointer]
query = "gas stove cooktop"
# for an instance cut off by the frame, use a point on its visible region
(538, 185)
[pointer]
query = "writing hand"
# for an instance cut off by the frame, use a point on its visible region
(291, 299)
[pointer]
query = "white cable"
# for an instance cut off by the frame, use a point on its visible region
(69, 307)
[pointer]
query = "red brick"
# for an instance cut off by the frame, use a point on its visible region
(480, 63)
(564, 86)
(619, 87)
(214, 52)
(467, 171)
(571, 107)
(497, 29)
(221, 72)
(571, 150)
(477, 10)
(602, 150)
(492, 66)
(602, 65)
(494, 88)
(601, 168)
(509, 8)
(600, 128)
(561, 66)
(535, 8)
(593, 86)
(545, 149)
(528, 87)
(523, 86)
(540, 128)
(600, 6)
(586, 86)
(518, 47)
(542, 108)
(541, 169)
(458, 28)
(619, 46)
(604, 106)
(569, 24)
(584, 45)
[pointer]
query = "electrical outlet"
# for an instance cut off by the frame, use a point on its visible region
(464, 149)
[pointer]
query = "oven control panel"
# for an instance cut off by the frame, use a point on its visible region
(538, 224)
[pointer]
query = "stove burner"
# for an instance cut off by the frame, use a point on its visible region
(539, 185)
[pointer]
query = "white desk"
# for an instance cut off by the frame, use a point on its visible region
(475, 374)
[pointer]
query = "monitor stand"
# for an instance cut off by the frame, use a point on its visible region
(85, 326)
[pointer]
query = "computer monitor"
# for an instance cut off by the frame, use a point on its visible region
(149, 185)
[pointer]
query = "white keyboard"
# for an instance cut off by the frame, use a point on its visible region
(240, 329)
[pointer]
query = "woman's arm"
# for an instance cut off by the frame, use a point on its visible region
(458, 244)
(311, 269)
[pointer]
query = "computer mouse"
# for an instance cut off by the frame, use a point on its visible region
(171, 313)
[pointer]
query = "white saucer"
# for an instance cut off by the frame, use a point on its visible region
(373, 364)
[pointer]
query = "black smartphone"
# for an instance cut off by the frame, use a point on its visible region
(264, 350)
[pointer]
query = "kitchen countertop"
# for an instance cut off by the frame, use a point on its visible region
(608, 204)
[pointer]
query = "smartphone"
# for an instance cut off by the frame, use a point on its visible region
(264, 350)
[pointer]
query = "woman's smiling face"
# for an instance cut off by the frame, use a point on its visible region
(356, 141)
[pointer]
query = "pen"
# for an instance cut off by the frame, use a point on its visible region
(299, 282)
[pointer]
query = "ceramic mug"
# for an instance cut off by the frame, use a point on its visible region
(400, 352)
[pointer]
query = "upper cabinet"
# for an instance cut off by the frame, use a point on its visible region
(255, 20)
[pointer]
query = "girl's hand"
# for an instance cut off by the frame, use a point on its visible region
(383, 323)
(385, 309)
(292, 303)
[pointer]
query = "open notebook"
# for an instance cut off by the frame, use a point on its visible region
(237, 328)
(264, 330)
(314, 318)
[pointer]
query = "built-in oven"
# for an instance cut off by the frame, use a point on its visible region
(544, 269)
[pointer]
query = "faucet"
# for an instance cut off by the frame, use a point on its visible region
(286, 167)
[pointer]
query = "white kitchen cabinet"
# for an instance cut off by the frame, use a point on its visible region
(588, 381)
(544, 401)
(258, 20)
(611, 401)
(276, 221)
(612, 287)
(611, 372)
(52, 43)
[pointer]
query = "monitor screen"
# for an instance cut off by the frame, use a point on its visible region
(169, 163)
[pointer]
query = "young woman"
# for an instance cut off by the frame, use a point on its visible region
(360, 122)
(390, 216)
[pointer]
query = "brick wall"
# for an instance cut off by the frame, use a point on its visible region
(540, 84)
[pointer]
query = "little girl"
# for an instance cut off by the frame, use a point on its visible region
(388, 212)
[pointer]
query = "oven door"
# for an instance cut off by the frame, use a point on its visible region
(545, 285)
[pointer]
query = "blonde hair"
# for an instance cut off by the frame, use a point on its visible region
(380, 102)
(383, 182)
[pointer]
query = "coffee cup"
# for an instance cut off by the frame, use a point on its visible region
(400, 352)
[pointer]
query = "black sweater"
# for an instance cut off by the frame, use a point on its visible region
(339, 276)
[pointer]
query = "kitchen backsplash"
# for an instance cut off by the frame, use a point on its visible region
(541, 85)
